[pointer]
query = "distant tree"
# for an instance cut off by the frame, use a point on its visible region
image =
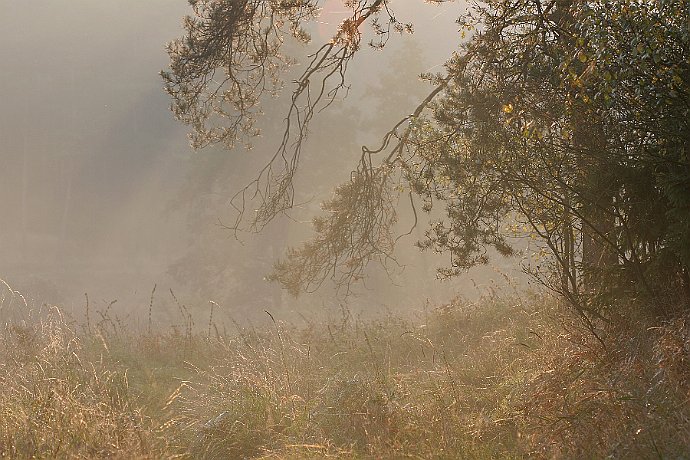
(233, 274)
(559, 120)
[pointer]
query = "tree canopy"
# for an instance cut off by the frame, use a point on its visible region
(557, 120)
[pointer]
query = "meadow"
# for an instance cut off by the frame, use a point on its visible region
(503, 377)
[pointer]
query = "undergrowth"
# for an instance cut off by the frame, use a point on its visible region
(501, 378)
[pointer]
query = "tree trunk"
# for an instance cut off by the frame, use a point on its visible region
(596, 194)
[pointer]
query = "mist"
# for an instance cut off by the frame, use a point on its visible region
(102, 195)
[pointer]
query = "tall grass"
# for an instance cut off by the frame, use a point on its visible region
(501, 378)
(57, 400)
(381, 389)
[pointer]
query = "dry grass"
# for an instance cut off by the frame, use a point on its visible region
(499, 379)
(56, 401)
(629, 399)
(385, 389)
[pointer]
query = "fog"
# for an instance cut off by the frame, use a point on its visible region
(101, 193)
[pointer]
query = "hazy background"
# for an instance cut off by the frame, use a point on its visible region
(100, 193)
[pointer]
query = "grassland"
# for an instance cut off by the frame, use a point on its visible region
(501, 378)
